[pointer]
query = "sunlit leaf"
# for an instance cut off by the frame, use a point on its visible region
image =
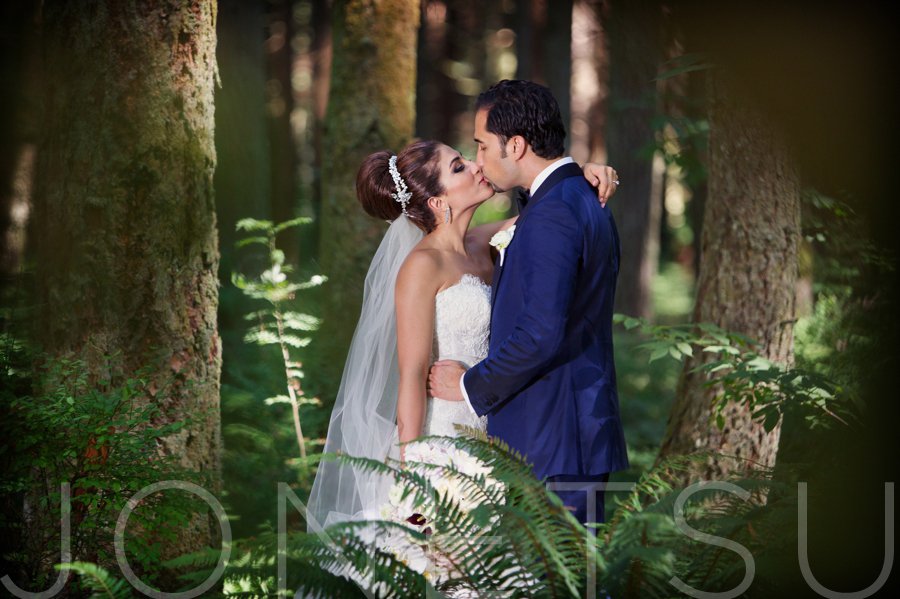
(251, 224)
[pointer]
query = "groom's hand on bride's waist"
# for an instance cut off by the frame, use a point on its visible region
(443, 380)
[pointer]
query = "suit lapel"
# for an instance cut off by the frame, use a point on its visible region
(495, 281)
(557, 176)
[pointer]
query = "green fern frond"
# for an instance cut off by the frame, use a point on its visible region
(102, 584)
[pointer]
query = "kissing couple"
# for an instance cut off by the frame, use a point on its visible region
(518, 312)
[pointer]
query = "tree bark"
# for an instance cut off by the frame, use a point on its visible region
(126, 252)
(19, 117)
(370, 108)
(556, 57)
(748, 272)
(635, 37)
(242, 182)
(588, 92)
(281, 131)
(525, 28)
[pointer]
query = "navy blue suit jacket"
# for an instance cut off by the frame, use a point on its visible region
(548, 384)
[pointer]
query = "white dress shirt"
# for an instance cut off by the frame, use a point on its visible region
(535, 185)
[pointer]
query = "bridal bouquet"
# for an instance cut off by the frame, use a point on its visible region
(449, 473)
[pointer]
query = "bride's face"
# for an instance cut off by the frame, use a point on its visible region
(464, 184)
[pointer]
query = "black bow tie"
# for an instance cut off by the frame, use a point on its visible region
(523, 200)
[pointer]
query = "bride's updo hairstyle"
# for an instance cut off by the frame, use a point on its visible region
(418, 164)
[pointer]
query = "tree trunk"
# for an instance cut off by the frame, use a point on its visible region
(556, 57)
(589, 63)
(437, 100)
(19, 117)
(321, 78)
(242, 181)
(525, 28)
(126, 252)
(281, 131)
(370, 108)
(748, 271)
(635, 36)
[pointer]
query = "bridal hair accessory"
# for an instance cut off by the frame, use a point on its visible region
(403, 195)
(501, 241)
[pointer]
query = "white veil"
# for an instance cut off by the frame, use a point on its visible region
(364, 420)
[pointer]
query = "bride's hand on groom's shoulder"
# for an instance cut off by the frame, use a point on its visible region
(443, 380)
(604, 178)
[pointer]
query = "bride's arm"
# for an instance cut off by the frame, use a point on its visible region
(414, 298)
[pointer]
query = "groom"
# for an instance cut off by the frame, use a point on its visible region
(548, 384)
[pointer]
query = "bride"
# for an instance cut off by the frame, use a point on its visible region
(427, 297)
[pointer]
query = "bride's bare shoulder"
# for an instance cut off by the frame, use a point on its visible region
(421, 271)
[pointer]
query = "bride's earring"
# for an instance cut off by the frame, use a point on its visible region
(447, 215)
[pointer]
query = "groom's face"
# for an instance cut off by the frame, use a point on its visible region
(492, 158)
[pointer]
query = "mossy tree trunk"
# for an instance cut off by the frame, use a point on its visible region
(370, 108)
(125, 244)
(635, 49)
(748, 272)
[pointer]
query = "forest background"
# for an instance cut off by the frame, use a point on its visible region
(754, 144)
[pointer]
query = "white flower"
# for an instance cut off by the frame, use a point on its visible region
(274, 275)
(502, 239)
(394, 494)
(445, 468)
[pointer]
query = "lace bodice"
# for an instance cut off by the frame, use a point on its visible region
(462, 327)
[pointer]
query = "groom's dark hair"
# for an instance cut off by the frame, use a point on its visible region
(524, 108)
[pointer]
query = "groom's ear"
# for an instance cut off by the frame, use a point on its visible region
(516, 146)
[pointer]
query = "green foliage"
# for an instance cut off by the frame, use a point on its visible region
(100, 582)
(646, 392)
(259, 436)
(845, 315)
(741, 375)
(99, 432)
(524, 543)
(684, 64)
(850, 275)
(276, 325)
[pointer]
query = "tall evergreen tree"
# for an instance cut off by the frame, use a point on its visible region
(748, 271)
(242, 181)
(280, 101)
(370, 108)
(125, 244)
(635, 49)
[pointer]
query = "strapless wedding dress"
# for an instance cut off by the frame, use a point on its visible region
(462, 328)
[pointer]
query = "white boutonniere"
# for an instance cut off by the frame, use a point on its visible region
(501, 241)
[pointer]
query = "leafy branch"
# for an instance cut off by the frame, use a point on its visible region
(102, 584)
(276, 326)
(742, 375)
